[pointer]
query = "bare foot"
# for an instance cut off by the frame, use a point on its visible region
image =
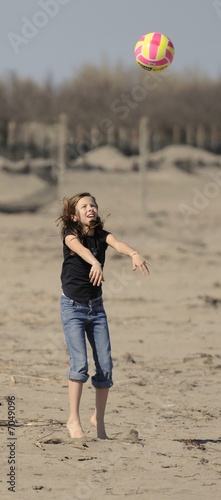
(75, 429)
(101, 433)
(93, 420)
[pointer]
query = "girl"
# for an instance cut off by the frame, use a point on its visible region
(84, 245)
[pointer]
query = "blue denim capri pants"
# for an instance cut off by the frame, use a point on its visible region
(81, 321)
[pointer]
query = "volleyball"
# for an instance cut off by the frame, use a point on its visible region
(154, 51)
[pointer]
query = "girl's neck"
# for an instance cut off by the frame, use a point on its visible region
(88, 231)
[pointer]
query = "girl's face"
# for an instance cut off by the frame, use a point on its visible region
(86, 210)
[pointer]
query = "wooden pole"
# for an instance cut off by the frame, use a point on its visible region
(144, 149)
(200, 136)
(62, 141)
(11, 140)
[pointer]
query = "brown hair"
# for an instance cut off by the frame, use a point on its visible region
(69, 210)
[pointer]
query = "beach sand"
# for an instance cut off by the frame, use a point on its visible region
(163, 413)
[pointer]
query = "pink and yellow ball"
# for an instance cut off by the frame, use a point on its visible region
(154, 51)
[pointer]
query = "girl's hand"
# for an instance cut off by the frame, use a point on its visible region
(139, 262)
(96, 274)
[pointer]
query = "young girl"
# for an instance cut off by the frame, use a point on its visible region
(84, 245)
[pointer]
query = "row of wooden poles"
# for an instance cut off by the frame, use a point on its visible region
(125, 138)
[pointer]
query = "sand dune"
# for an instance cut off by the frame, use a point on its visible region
(163, 415)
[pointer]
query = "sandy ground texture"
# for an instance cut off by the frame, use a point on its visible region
(164, 412)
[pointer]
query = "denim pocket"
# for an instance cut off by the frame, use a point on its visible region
(67, 307)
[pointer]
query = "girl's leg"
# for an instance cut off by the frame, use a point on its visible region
(97, 418)
(98, 336)
(73, 321)
(74, 424)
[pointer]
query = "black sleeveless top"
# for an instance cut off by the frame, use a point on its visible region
(75, 271)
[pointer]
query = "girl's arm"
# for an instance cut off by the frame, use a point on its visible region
(96, 273)
(137, 260)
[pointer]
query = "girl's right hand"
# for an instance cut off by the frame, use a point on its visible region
(96, 274)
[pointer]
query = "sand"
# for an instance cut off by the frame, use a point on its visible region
(163, 414)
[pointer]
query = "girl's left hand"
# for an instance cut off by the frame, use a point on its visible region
(139, 262)
(96, 274)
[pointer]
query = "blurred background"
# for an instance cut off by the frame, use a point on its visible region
(67, 67)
